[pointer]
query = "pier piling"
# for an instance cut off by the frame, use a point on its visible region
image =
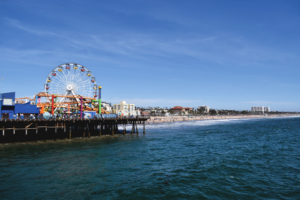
(3, 134)
(88, 130)
(112, 129)
(132, 128)
(101, 128)
(70, 133)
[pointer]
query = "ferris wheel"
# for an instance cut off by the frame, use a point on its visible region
(71, 79)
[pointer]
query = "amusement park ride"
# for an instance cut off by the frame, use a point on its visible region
(69, 88)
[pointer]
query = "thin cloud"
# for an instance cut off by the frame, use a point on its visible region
(232, 52)
(18, 25)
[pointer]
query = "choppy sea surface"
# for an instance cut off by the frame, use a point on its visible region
(212, 159)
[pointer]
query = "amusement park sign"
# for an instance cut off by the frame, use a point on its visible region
(7, 102)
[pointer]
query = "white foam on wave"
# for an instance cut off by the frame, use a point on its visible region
(208, 122)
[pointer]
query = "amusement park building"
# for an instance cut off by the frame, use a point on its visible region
(9, 109)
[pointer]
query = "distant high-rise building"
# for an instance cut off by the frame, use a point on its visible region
(260, 109)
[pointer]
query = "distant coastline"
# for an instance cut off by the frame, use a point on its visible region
(168, 119)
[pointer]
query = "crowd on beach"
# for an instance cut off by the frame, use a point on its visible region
(161, 119)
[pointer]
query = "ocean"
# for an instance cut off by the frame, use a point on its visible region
(211, 159)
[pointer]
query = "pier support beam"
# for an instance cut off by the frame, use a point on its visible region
(3, 134)
(14, 134)
(83, 136)
(144, 128)
(36, 132)
(25, 134)
(124, 130)
(45, 132)
(55, 132)
(132, 130)
(70, 132)
(65, 130)
(88, 130)
(101, 129)
(113, 129)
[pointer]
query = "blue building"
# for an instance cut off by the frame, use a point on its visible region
(7, 105)
(9, 110)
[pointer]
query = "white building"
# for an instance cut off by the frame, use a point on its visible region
(162, 112)
(205, 109)
(260, 109)
(125, 109)
(266, 109)
(106, 106)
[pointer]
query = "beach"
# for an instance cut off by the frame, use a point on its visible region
(166, 119)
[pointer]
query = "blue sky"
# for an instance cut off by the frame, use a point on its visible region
(224, 54)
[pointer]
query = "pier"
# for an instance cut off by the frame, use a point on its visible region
(25, 130)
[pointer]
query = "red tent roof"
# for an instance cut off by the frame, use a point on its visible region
(177, 108)
(180, 108)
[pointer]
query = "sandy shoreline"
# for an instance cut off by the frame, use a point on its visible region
(159, 119)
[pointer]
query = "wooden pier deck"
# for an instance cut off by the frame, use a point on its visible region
(42, 130)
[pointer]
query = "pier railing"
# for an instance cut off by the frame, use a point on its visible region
(78, 117)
